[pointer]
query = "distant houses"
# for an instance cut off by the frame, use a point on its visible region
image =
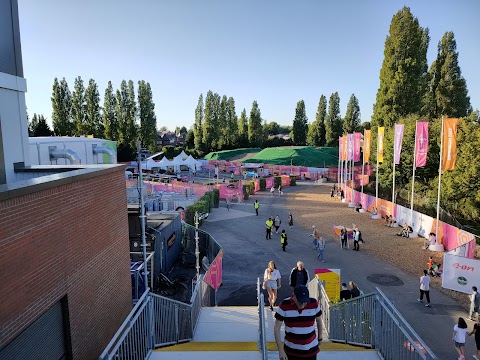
(168, 138)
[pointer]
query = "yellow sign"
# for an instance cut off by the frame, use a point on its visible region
(331, 277)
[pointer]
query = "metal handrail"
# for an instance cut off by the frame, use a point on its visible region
(262, 338)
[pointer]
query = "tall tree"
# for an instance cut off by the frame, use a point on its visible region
(148, 120)
(93, 118)
(255, 128)
(79, 107)
(403, 76)
(208, 126)
(333, 123)
(448, 87)
(232, 124)
(215, 121)
(197, 127)
(110, 123)
(124, 111)
(351, 122)
(243, 129)
(316, 131)
(39, 126)
(62, 109)
(300, 124)
(132, 116)
(222, 124)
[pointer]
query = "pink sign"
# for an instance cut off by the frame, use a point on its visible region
(350, 140)
(213, 277)
(421, 144)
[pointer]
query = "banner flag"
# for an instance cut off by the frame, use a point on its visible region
(421, 144)
(350, 147)
(381, 133)
(340, 148)
(345, 145)
(357, 137)
(367, 140)
(449, 153)
(397, 144)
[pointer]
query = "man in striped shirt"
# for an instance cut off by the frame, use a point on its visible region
(300, 314)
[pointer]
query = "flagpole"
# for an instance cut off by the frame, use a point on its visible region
(376, 181)
(413, 175)
(363, 159)
(439, 179)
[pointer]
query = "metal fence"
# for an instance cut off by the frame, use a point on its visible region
(372, 321)
(262, 338)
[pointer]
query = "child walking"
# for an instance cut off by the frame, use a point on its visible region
(321, 249)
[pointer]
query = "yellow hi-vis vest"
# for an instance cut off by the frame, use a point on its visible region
(283, 237)
(269, 224)
(256, 204)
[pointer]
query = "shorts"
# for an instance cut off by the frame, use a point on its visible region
(459, 345)
(272, 284)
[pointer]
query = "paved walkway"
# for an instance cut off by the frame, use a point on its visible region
(246, 254)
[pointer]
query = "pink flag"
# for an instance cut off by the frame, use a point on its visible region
(350, 147)
(421, 144)
(356, 146)
(340, 148)
(397, 145)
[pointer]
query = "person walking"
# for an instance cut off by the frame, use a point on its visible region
(474, 303)
(280, 192)
(356, 239)
(272, 282)
(227, 200)
(460, 331)
(476, 332)
(345, 294)
(269, 224)
(354, 290)
(344, 237)
(425, 288)
(277, 222)
(298, 275)
(300, 313)
(290, 219)
(315, 237)
(283, 239)
(256, 205)
(321, 249)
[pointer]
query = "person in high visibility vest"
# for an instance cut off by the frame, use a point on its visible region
(269, 224)
(256, 205)
(283, 239)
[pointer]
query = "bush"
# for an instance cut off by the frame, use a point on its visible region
(277, 181)
(263, 184)
(216, 197)
(200, 206)
(251, 185)
(246, 191)
(293, 180)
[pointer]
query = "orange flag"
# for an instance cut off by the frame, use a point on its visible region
(367, 140)
(345, 147)
(449, 151)
(381, 134)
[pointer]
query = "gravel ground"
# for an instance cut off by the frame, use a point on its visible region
(312, 205)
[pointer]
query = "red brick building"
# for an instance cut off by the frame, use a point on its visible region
(64, 246)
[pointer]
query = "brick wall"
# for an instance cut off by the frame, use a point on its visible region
(71, 240)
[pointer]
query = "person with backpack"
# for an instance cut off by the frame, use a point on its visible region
(283, 239)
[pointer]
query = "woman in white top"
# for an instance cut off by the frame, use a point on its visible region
(271, 281)
(460, 330)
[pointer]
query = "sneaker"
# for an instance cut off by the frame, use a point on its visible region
(271, 307)
(420, 300)
(475, 357)
(427, 305)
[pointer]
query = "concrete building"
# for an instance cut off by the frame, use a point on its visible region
(64, 249)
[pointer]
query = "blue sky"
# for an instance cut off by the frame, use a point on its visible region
(276, 52)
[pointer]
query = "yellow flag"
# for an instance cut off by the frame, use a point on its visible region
(449, 151)
(381, 134)
(345, 147)
(367, 140)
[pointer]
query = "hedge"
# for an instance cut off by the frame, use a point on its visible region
(203, 205)
(251, 184)
(293, 180)
(216, 197)
(263, 184)
(246, 191)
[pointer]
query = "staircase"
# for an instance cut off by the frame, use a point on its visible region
(231, 332)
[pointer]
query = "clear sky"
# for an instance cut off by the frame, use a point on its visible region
(274, 51)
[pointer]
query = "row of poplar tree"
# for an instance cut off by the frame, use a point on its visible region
(218, 128)
(123, 117)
